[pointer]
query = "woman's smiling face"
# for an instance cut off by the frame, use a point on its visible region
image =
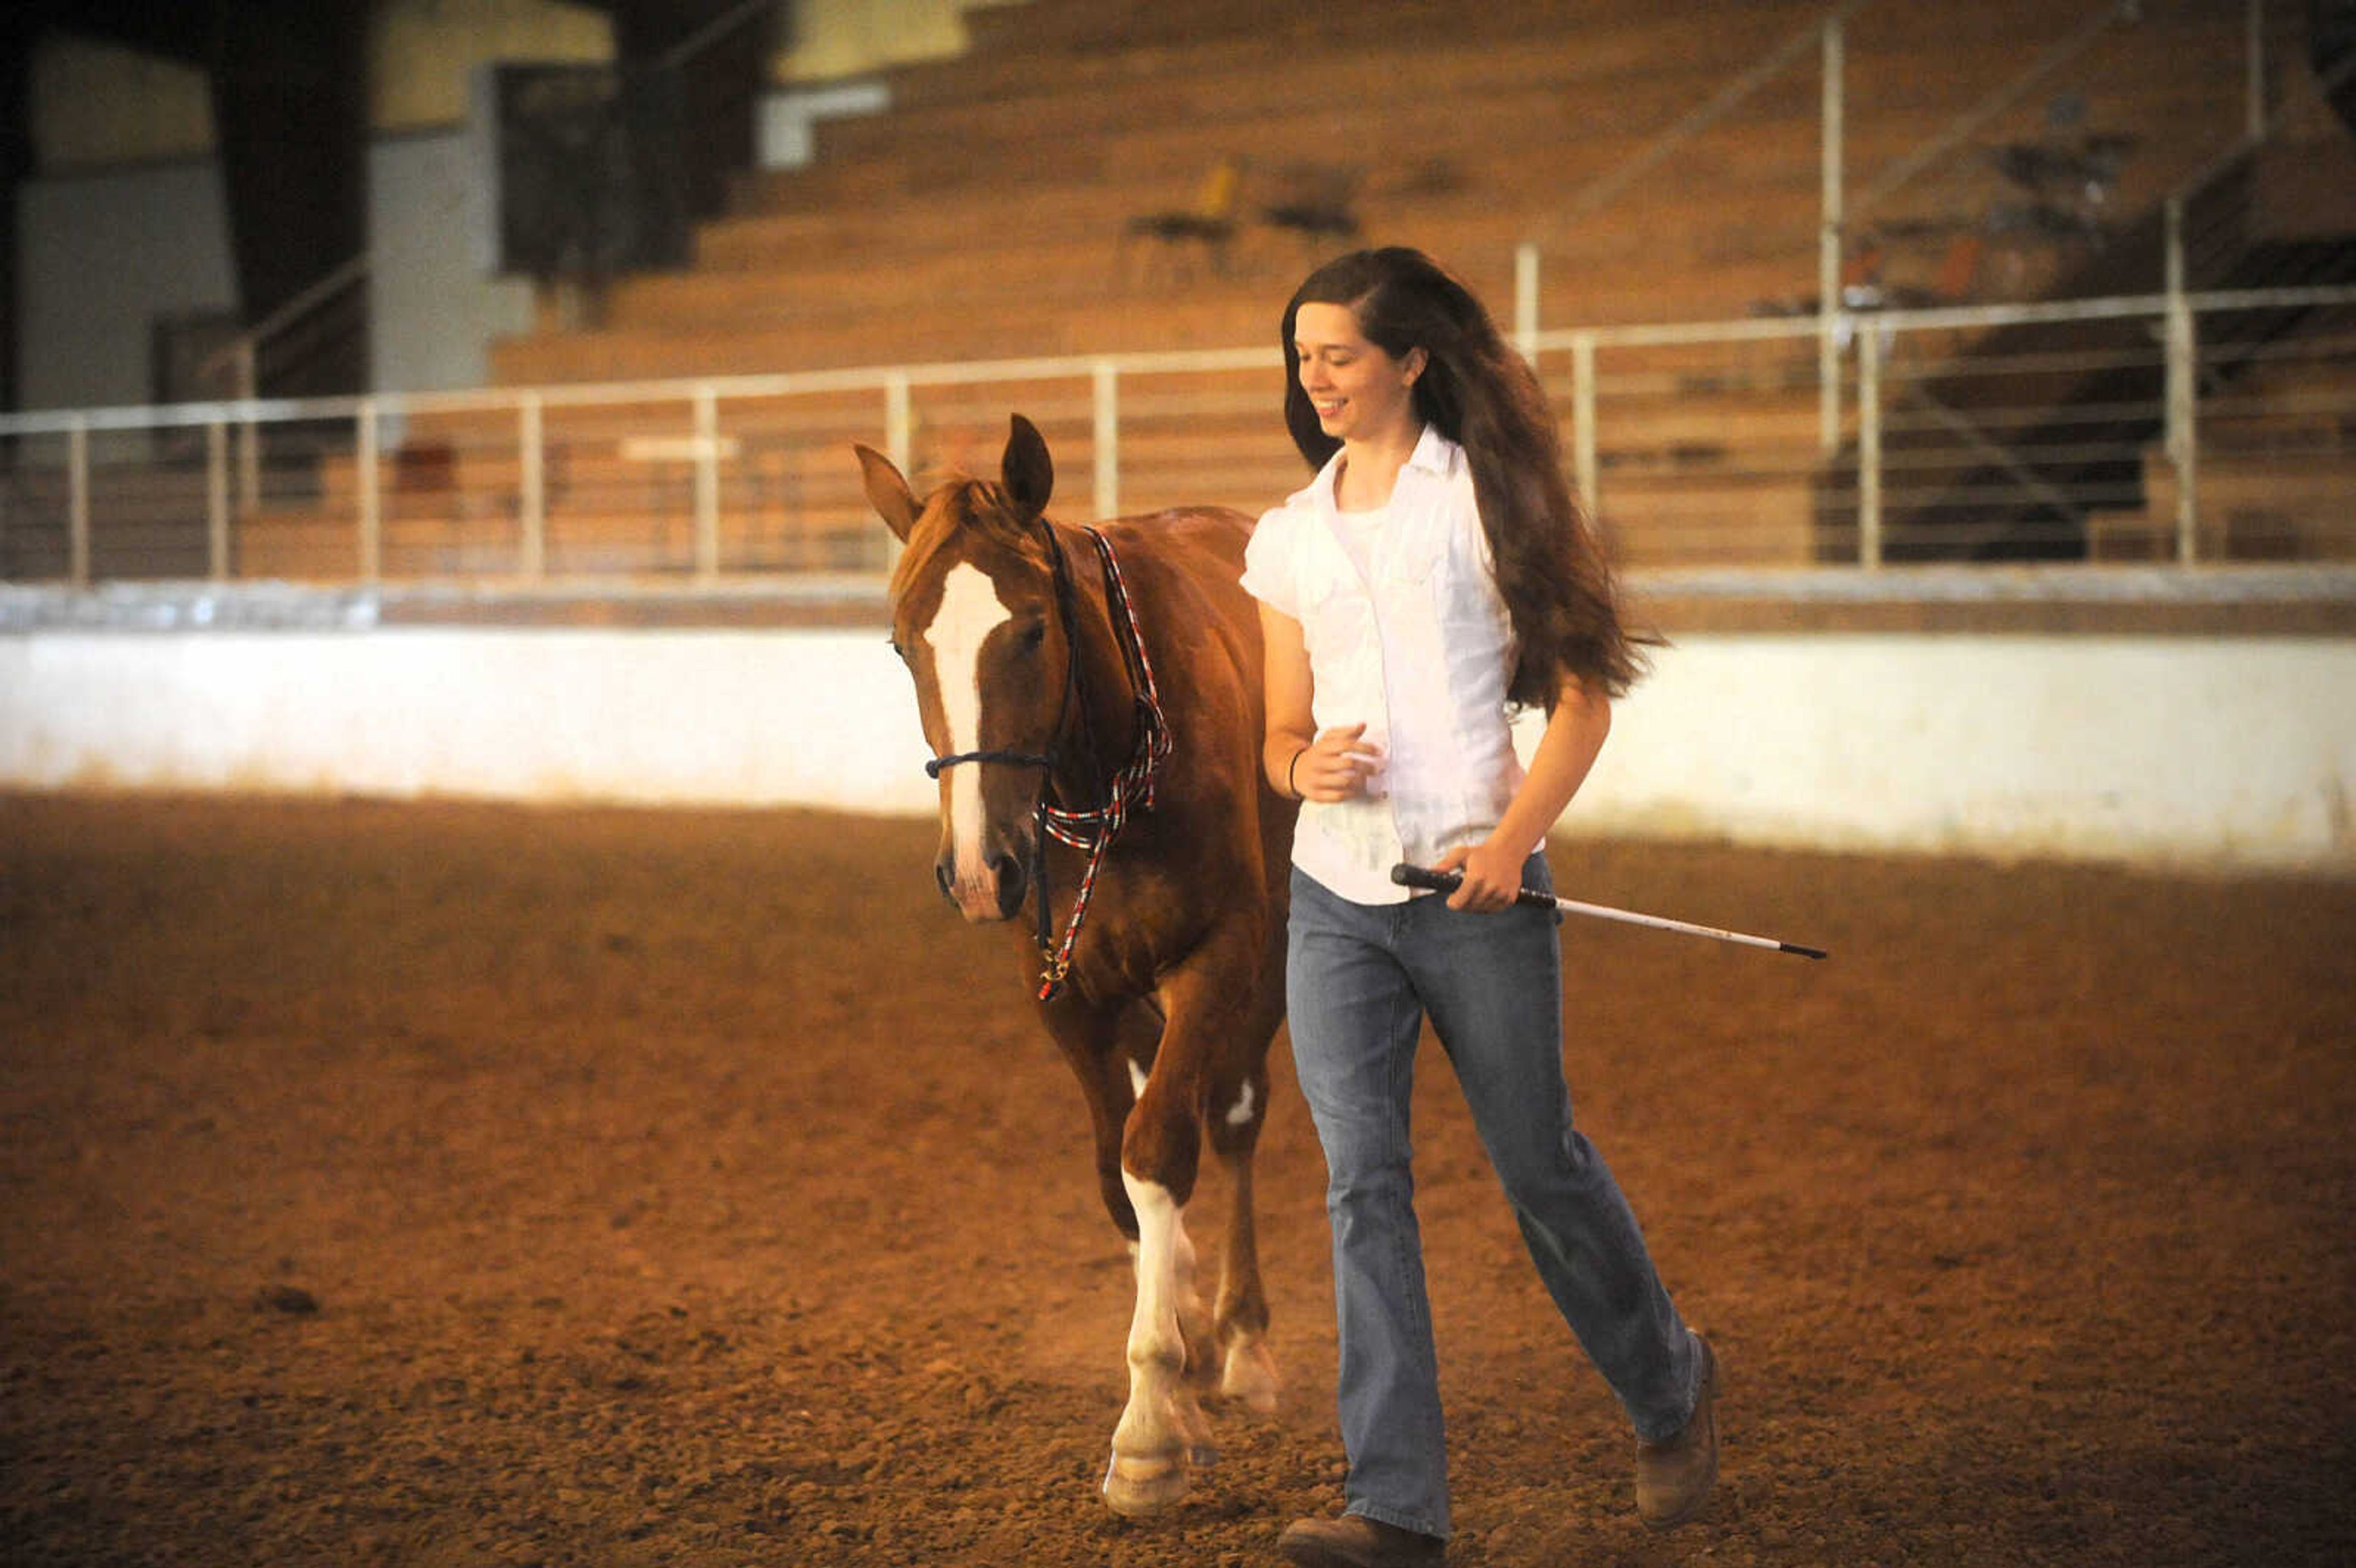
(1360, 392)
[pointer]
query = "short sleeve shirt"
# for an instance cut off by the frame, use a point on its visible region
(1418, 645)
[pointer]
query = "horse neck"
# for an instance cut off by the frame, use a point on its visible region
(1104, 683)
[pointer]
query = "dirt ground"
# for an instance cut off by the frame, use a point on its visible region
(466, 1185)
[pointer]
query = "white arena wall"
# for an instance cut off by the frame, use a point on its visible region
(2178, 751)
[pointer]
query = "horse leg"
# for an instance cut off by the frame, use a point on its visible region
(1139, 1047)
(1247, 1371)
(1098, 1043)
(1110, 1050)
(1162, 1428)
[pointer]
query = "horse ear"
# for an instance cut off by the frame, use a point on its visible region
(1028, 472)
(888, 492)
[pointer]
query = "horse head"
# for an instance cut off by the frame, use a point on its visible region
(974, 617)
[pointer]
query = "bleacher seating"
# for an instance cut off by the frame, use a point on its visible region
(2276, 472)
(984, 217)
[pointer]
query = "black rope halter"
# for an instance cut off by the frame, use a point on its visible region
(1094, 828)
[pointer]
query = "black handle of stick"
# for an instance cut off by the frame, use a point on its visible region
(1409, 876)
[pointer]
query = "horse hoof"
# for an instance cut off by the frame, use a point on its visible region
(1249, 1379)
(1143, 1486)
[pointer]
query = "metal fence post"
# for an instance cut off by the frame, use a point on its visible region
(2183, 444)
(1107, 416)
(1828, 245)
(1870, 343)
(249, 435)
(371, 512)
(78, 502)
(217, 499)
(533, 450)
(1582, 420)
(899, 446)
(707, 483)
(1526, 300)
(899, 421)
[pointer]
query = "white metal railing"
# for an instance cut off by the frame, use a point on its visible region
(241, 359)
(1693, 442)
(1886, 433)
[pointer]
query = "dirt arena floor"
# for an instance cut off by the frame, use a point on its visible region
(451, 1185)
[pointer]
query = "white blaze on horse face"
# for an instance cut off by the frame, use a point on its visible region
(970, 610)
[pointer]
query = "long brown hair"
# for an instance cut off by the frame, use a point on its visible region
(1480, 393)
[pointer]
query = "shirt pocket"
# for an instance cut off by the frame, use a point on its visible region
(1338, 626)
(1418, 560)
(1465, 598)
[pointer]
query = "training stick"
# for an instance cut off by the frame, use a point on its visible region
(1409, 876)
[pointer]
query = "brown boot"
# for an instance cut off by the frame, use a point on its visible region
(1355, 1542)
(1674, 1478)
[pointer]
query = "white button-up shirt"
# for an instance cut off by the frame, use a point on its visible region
(1421, 651)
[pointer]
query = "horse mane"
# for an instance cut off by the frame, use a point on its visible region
(963, 502)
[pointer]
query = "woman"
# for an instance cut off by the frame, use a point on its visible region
(1434, 576)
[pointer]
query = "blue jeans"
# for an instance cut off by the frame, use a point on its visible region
(1359, 981)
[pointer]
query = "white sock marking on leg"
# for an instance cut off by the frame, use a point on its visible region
(1240, 1112)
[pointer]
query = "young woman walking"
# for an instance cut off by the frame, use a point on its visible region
(1434, 576)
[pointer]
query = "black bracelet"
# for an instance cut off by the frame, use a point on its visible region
(1288, 787)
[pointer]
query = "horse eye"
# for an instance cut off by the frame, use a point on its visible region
(897, 649)
(1031, 637)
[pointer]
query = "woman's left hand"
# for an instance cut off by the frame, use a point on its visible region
(1493, 875)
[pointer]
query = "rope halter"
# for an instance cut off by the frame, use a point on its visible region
(1131, 787)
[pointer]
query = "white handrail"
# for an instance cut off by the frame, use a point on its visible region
(1085, 367)
(712, 32)
(244, 350)
(943, 373)
(1875, 335)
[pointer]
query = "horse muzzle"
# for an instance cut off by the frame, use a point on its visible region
(990, 889)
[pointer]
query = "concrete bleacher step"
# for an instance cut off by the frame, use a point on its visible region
(2276, 468)
(618, 541)
(1088, 42)
(1078, 112)
(1762, 520)
(2249, 507)
(1533, 87)
(861, 247)
(1191, 314)
(1082, 262)
(1077, 28)
(1536, 141)
(1045, 329)
(983, 220)
(1168, 302)
(1613, 52)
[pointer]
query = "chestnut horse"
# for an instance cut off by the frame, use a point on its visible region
(1093, 700)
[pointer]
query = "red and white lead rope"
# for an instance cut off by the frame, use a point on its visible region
(1132, 785)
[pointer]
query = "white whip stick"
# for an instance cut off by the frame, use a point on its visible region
(1409, 876)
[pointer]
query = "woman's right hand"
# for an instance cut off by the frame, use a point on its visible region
(1336, 765)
